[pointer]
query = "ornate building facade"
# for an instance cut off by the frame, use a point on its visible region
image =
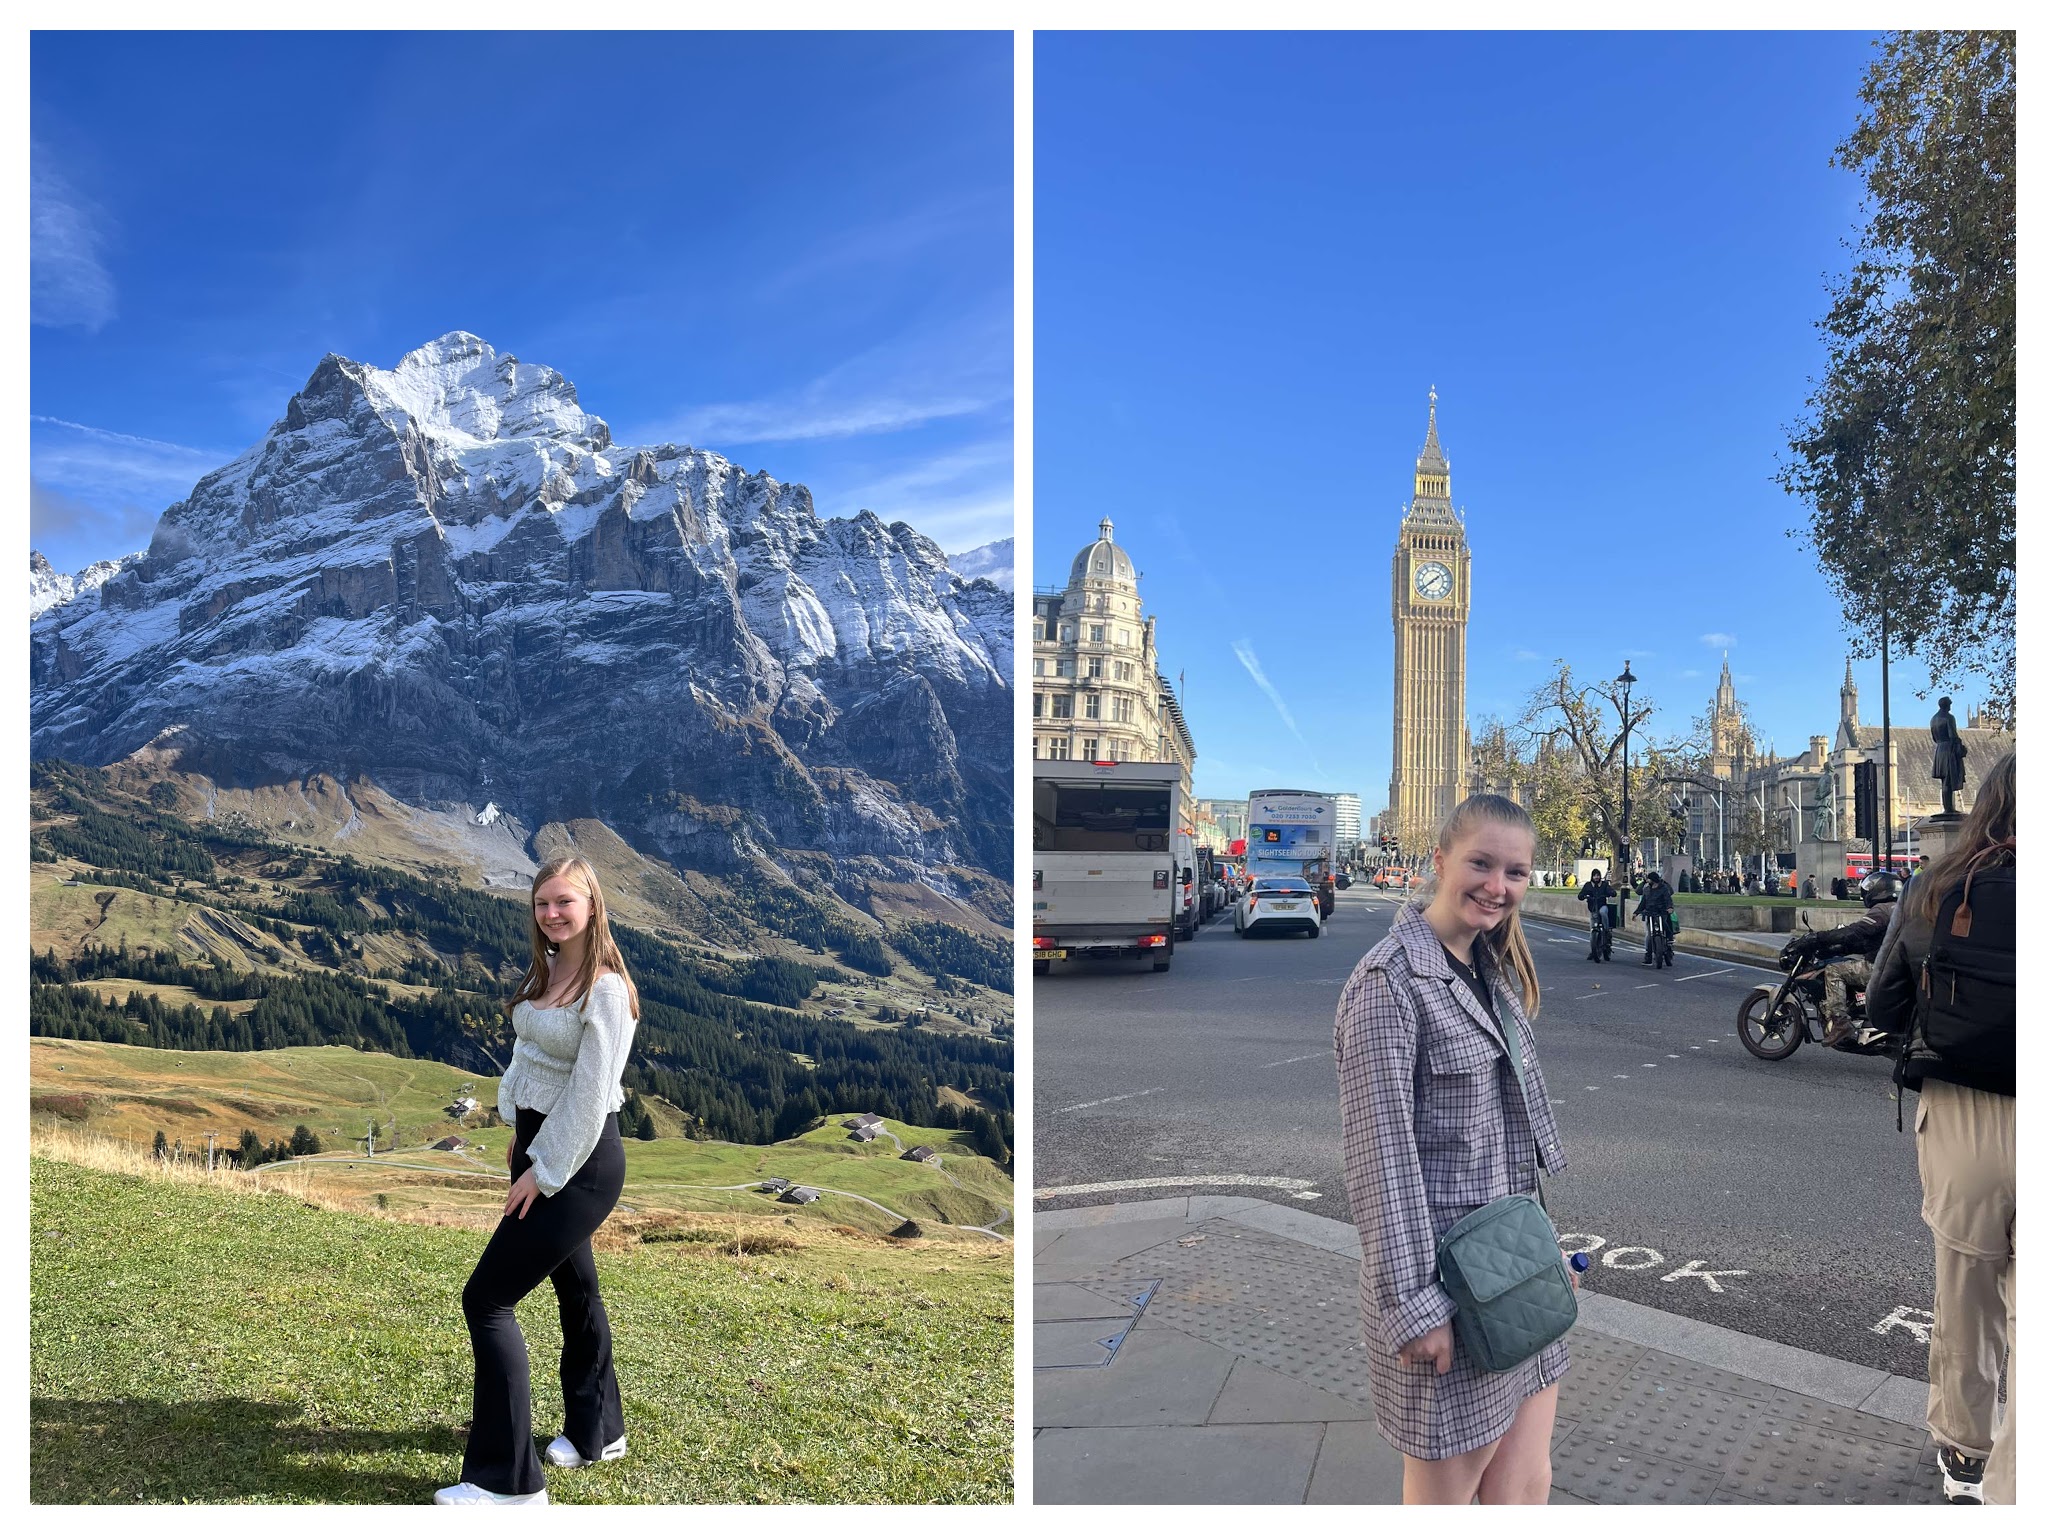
(1431, 568)
(1097, 692)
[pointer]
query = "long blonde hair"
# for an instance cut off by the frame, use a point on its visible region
(1988, 837)
(1506, 945)
(599, 948)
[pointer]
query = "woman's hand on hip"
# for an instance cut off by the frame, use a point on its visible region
(523, 1192)
(1431, 1348)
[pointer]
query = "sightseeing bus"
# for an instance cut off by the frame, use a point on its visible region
(1289, 830)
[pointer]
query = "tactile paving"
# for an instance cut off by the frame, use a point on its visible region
(1606, 1475)
(1600, 1367)
(1647, 1417)
(1291, 1308)
(1790, 1462)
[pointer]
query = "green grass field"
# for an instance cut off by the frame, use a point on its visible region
(190, 1343)
(128, 1092)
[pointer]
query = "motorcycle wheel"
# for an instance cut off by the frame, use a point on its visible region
(1770, 1039)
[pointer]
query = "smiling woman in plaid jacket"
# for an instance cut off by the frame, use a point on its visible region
(1435, 1125)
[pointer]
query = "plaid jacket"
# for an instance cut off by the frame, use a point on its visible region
(1434, 1123)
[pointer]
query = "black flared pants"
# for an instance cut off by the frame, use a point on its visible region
(552, 1241)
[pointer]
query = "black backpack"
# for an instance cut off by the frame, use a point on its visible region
(1964, 1021)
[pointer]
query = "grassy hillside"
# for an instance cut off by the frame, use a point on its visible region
(198, 1343)
(128, 1093)
(157, 918)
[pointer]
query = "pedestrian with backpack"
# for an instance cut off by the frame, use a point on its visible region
(1948, 986)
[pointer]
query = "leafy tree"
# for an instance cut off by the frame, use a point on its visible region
(1907, 452)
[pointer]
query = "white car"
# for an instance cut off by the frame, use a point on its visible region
(1279, 905)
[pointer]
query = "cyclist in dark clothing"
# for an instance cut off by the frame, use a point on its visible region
(1657, 900)
(1597, 897)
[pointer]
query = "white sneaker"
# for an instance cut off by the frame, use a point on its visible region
(563, 1453)
(469, 1492)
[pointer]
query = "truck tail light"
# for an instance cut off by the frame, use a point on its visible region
(1154, 941)
(1041, 942)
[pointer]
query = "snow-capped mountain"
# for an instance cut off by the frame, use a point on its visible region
(994, 562)
(447, 577)
(47, 588)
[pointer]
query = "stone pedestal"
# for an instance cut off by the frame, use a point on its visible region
(1823, 861)
(1938, 834)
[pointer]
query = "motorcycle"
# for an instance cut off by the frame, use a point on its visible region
(1775, 1020)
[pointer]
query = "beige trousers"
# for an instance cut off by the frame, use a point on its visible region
(1967, 1162)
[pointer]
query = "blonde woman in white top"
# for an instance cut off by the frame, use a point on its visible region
(574, 1015)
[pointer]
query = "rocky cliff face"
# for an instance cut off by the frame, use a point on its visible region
(446, 577)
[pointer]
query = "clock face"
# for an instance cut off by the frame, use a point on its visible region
(1432, 580)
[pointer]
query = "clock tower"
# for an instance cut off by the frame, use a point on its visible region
(1431, 570)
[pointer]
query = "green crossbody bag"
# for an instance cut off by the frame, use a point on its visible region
(1502, 1267)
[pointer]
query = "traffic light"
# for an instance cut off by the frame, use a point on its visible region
(1867, 812)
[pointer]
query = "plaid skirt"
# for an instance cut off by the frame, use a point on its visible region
(1432, 1417)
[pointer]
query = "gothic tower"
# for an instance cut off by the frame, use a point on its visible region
(1431, 569)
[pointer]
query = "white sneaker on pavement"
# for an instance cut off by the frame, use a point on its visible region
(469, 1492)
(563, 1453)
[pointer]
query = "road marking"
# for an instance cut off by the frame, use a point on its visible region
(1648, 985)
(1590, 1089)
(1294, 1060)
(1612, 1259)
(1675, 1057)
(1729, 970)
(1118, 1098)
(1299, 1188)
(1648, 1065)
(1710, 1276)
(1589, 995)
(1619, 1076)
(1908, 1318)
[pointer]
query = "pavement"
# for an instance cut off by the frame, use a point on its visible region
(1204, 1349)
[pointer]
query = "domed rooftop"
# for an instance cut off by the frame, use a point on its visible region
(1103, 560)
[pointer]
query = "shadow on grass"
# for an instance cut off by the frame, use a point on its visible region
(224, 1450)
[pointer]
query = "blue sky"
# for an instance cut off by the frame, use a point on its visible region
(1255, 255)
(796, 250)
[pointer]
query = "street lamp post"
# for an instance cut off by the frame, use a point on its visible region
(1626, 679)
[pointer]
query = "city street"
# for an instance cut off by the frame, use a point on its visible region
(1776, 1200)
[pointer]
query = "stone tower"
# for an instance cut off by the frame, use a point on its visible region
(1431, 568)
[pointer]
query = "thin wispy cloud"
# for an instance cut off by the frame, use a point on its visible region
(961, 499)
(68, 281)
(1249, 659)
(887, 244)
(901, 384)
(1718, 641)
(113, 469)
(1527, 655)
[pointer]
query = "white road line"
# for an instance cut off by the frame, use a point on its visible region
(1619, 1076)
(1299, 1188)
(1118, 1098)
(1294, 1060)
(1590, 994)
(1648, 985)
(1729, 970)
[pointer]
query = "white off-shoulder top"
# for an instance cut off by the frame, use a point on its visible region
(567, 1064)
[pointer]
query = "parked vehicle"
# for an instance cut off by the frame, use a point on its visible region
(1279, 904)
(1103, 877)
(1342, 879)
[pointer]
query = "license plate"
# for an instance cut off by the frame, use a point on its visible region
(1284, 905)
(1051, 954)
